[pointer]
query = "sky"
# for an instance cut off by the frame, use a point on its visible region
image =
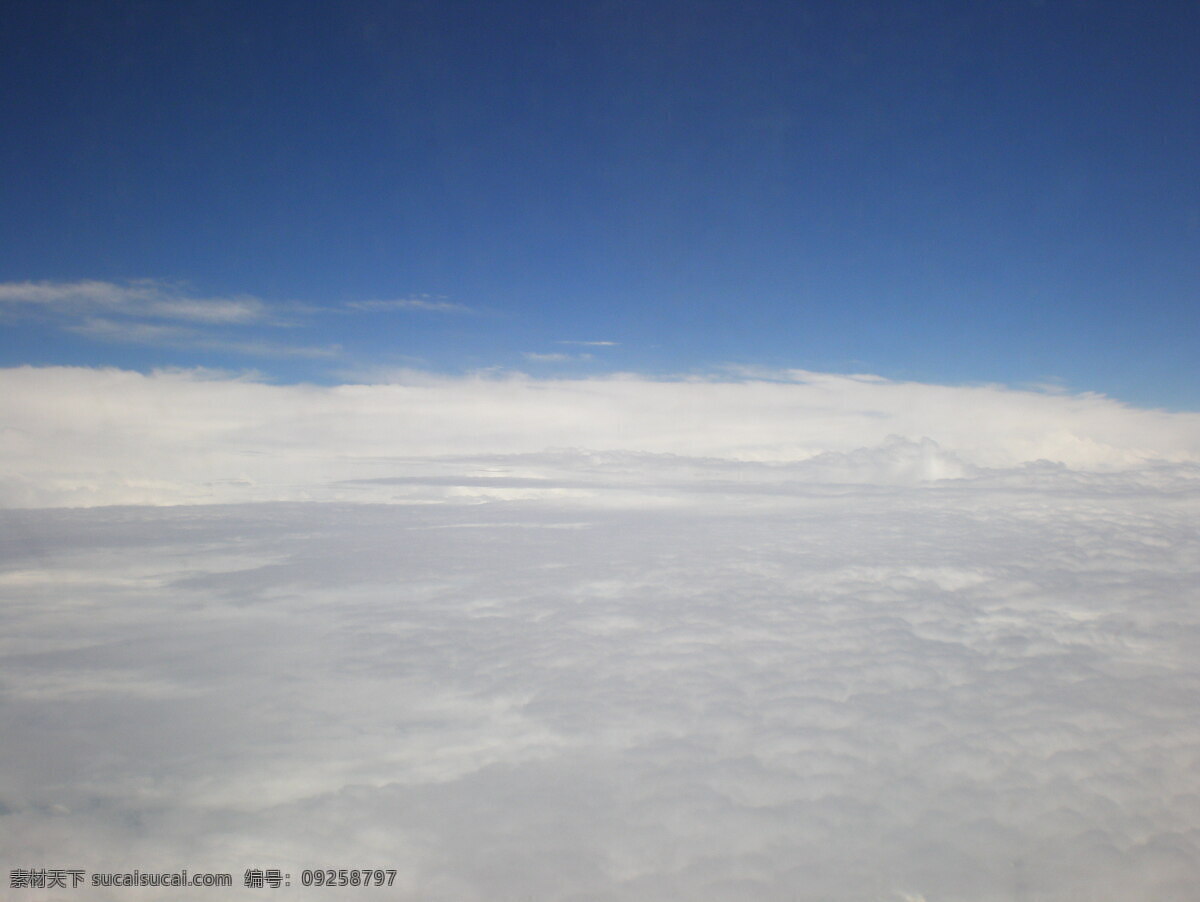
(938, 192)
(601, 452)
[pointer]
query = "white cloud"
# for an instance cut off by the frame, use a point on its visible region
(82, 436)
(553, 357)
(156, 313)
(974, 691)
(591, 344)
(133, 332)
(209, 310)
(141, 298)
(158, 299)
(423, 303)
(171, 335)
(270, 348)
(809, 637)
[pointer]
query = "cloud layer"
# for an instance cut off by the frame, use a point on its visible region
(808, 638)
(85, 437)
(942, 693)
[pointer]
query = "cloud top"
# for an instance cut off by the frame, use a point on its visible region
(85, 436)
(971, 694)
(782, 636)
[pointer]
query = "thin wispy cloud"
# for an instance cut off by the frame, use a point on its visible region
(270, 349)
(553, 357)
(166, 335)
(133, 332)
(154, 313)
(144, 298)
(591, 344)
(420, 304)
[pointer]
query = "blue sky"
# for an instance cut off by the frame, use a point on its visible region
(943, 192)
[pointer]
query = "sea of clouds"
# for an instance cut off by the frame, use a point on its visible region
(759, 636)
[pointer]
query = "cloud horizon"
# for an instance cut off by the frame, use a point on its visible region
(85, 436)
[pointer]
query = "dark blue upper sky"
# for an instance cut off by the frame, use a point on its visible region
(944, 191)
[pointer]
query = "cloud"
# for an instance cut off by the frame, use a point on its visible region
(553, 357)
(271, 349)
(159, 314)
(156, 313)
(76, 436)
(423, 304)
(809, 637)
(591, 344)
(133, 332)
(158, 299)
(176, 336)
(955, 691)
(145, 298)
